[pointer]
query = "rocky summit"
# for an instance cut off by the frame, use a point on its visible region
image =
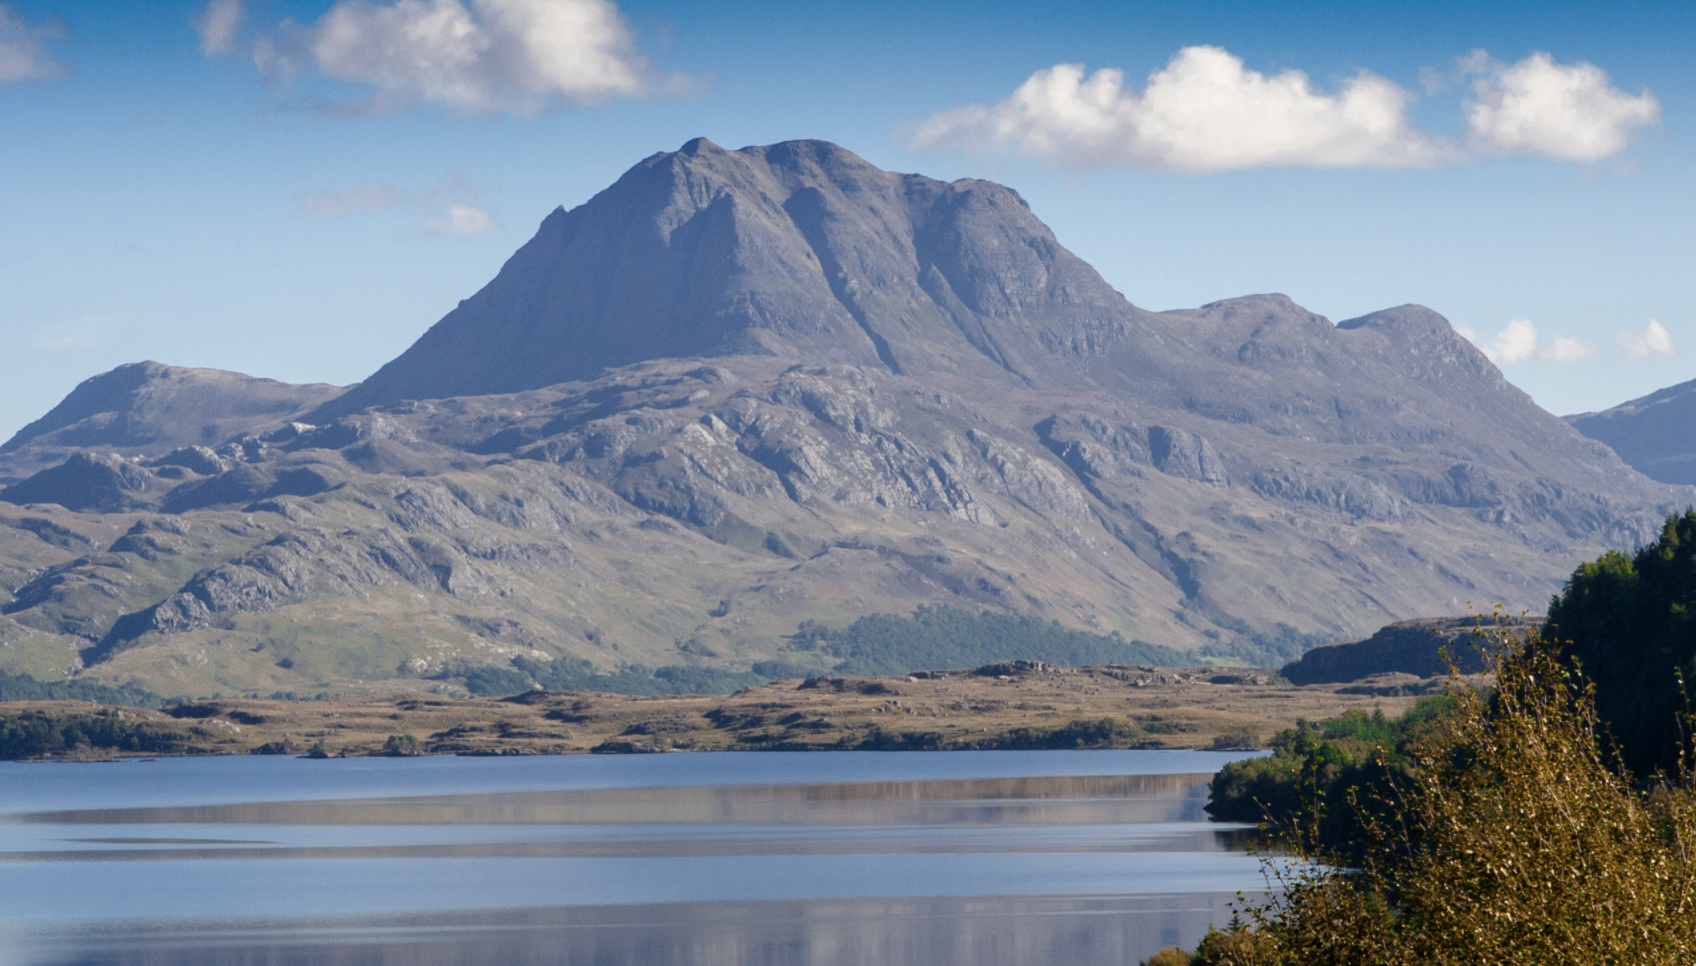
(741, 399)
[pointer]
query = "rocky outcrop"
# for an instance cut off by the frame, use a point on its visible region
(148, 409)
(1423, 647)
(89, 482)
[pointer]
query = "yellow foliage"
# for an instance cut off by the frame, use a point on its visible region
(1170, 956)
(1515, 842)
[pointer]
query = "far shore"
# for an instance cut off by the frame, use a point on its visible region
(1035, 706)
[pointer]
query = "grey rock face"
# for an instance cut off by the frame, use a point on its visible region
(197, 459)
(1655, 434)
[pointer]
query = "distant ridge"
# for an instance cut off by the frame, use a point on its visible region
(146, 407)
(1655, 434)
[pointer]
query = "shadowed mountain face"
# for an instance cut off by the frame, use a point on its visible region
(1655, 434)
(740, 390)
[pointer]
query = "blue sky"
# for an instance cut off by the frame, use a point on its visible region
(298, 190)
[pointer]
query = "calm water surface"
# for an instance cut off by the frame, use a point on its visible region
(882, 859)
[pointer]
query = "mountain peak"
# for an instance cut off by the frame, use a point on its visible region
(800, 250)
(696, 146)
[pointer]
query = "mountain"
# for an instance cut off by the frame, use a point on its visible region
(146, 407)
(1655, 434)
(800, 251)
(742, 398)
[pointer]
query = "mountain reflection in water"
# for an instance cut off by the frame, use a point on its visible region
(279, 862)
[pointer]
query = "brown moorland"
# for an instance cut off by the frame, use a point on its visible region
(1014, 705)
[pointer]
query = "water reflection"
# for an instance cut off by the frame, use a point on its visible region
(851, 932)
(985, 870)
(1059, 800)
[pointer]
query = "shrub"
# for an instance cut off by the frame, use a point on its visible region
(1237, 739)
(402, 746)
(1306, 783)
(1512, 841)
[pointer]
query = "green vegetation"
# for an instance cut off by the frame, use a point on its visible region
(40, 734)
(943, 637)
(1510, 836)
(1100, 733)
(1096, 733)
(1316, 770)
(575, 674)
(22, 687)
(1274, 648)
(402, 746)
(1236, 739)
(1630, 623)
(876, 646)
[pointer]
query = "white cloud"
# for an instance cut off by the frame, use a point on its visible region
(1519, 341)
(217, 26)
(1201, 112)
(1653, 340)
(1564, 348)
(1551, 110)
(463, 218)
(1515, 343)
(369, 196)
(493, 56)
(23, 55)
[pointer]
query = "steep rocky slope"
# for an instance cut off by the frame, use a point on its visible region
(1655, 434)
(742, 390)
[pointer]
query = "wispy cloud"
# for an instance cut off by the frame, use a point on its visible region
(1565, 348)
(481, 57)
(1652, 340)
(463, 218)
(23, 50)
(1206, 111)
(454, 204)
(367, 196)
(1539, 107)
(77, 333)
(217, 26)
